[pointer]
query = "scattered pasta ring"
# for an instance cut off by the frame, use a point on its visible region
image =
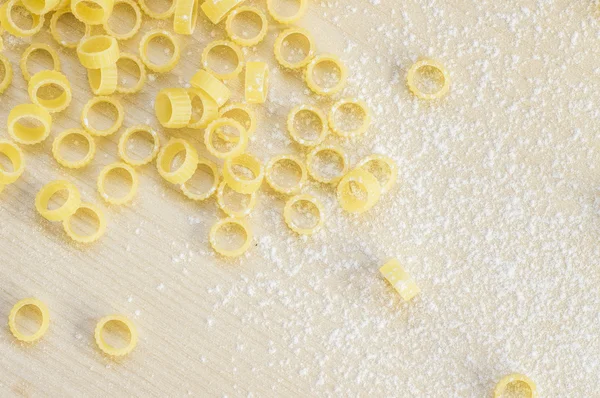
(8, 23)
(326, 148)
(215, 11)
(243, 41)
(48, 78)
(391, 165)
(247, 118)
(289, 216)
(126, 136)
(40, 7)
(166, 156)
(227, 208)
(515, 378)
(100, 230)
(257, 82)
(95, 52)
(276, 186)
(15, 155)
(155, 14)
(38, 47)
(238, 182)
(8, 74)
(56, 33)
(228, 44)
(141, 80)
(289, 19)
(73, 164)
(280, 43)
(61, 213)
(24, 134)
(144, 47)
(369, 185)
(115, 103)
(295, 134)
(230, 252)
(185, 16)
(428, 63)
(136, 26)
(210, 109)
(213, 188)
(45, 320)
(317, 87)
(107, 348)
(173, 107)
(212, 86)
(401, 280)
(114, 200)
(62, 4)
(366, 119)
(213, 129)
(96, 15)
(103, 81)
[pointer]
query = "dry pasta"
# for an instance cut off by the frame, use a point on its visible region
(96, 101)
(225, 251)
(321, 87)
(209, 109)
(242, 40)
(332, 150)
(142, 74)
(186, 169)
(216, 11)
(108, 349)
(103, 81)
(233, 149)
(401, 280)
(104, 175)
(247, 203)
(416, 68)
(8, 74)
(100, 229)
(58, 36)
(286, 36)
(257, 82)
(288, 214)
(296, 135)
(17, 160)
(50, 78)
(358, 191)
(346, 132)
(145, 46)
(514, 378)
(20, 128)
(64, 211)
(173, 107)
(126, 136)
(92, 12)
(42, 329)
(241, 182)
(33, 48)
(277, 186)
(158, 14)
(73, 164)
(237, 51)
(136, 25)
(376, 161)
(9, 24)
(212, 86)
(287, 19)
(95, 52)
(199, 196)
(185, 16)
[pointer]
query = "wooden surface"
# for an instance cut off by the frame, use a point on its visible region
(495, 215)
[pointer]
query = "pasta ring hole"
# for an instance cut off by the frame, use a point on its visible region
(305, 214)
(118, 183)
(58, 199)
(22, 17)
(197, 108)
(38, 60)
(70, 28)
(239, 115)
(349, 117)
(231, 236)
(102, 116)
(50, 92)
(247, 25)
(29, 319)
(517, 389)
(429, 79)
(202, 182)
(74, 148)
(6, 164)
(286, 8)
(225, 138)
(222, 59)
(123, 18)
(286, 173)
(235, 201)
(328, 164)
(91, 9)
(29, 128)
(295, 48)
(116, 334)
(243, 172)
(158, 6)
(161, 50)
(327, 74)
(140, 145)
(84, 222)
(308, 125)
(129, 72)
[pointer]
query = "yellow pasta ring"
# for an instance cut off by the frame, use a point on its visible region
(215, 11)
(144, 47)
(401, 280)
(247, 118)
(126, 136)
(66, 209)
(115, 103)
(8, 74)
(136, 25)
(227, 209)
(15, 155)
(287, 19)
(213, 129)
(295, 134)
(45, 320)
(276, 186)
(209, 192)
(47, 78)
(95, 52)
(107, 348)
(257, 82)
(279, 44)
(315, 86)
(103, 81)
(9, 24)
(238, 182)
(210, 109)
(156, 14)
(212, 86)
(223, 43)
(25, 134)
(326, 148)
(40, 7)
(63, 4)
(425, 63)
(186, 169)
(100, 230)
(366, 120)
(369, 186)
(56, 33)
(38, 47)
(230, 252)
(185, 16)
(173, 107)
(118, 200)
(244, 41)
(389, 162)
(73, 164)
(92, 15)
(141, 80)
(289, 216)
(515, 378)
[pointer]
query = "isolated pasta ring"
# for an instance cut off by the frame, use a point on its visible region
(237, 52)
(45, 320)
(241, 40)
(515, 378)
(428, 63)
(100, 230)
(318, 87)
(116, 104)
(289, 216)
(77, 164)
(107, 348)
(69, 207)
(102, 177)
(186, 169)
(280, 44)
(17, 160)
(278, 187)
(361, 129)
(230, 252)
(368, 185)
(126, 136)
(187, 191)
(23, 132)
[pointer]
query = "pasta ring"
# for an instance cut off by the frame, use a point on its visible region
(157, 15)
(295, 134)
(114, 200)
(327, 148)
(126, 136)
(213, 128)
(213, 188)
(315, 86)
(66, 209)
(24, 134)
(144, 47)
(257, 82)
(57, 35)
(227, 209)
(107, 348)
(247, 119)
(243, 41)
(401, 280)
(366, 120)
(373, 159)
(238, 182)
(8, 74)
(15, 155)
(141, 80)
(187, 168)
(515, 378)
(173, 107)
(210, 109)
(74, 164)
(40, 7)
(369, 185)
(277, 187)
(223, 43)
(230, 252)
(62, 4)
(289, 217)
(103, 81)
(216, 10)
(424, 63)
(136, 25)
(96, 15)
(279, 44)
(95, 52)
(7, 22)
(33, 48)
(99, 100)
(86, 238)
(185, 16)
(12, 320)
(212, 86)
(47, 78)
(287, 19)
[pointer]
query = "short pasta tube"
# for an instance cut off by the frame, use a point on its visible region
(330, 82)
(185, 16)
(19, 124)
(95, 52)
(173, 107)
(333, 154)
(312, 205)
(48, 79)
(272, 7)
(227, 224)
(421, 66)
(17, 160)
(124, 143)
(294, 163)
(57, 148)
(108, 172)
(97, 213)
(303, 48)
(257, 82)
(103, 81)
(212, 86)
(513, 379)
(10, 25)
(215, 11)
(243, 39)
(231, 47)
(191, 193)
(358, 191)
(243, 173)
(113, 103)
(187, 167)
(226, 148)
(38, 47)
(92, 12)
(400, 279)
(145, 48)
(6, 78)
(41, 308)
(70, 205)
(123, 322)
